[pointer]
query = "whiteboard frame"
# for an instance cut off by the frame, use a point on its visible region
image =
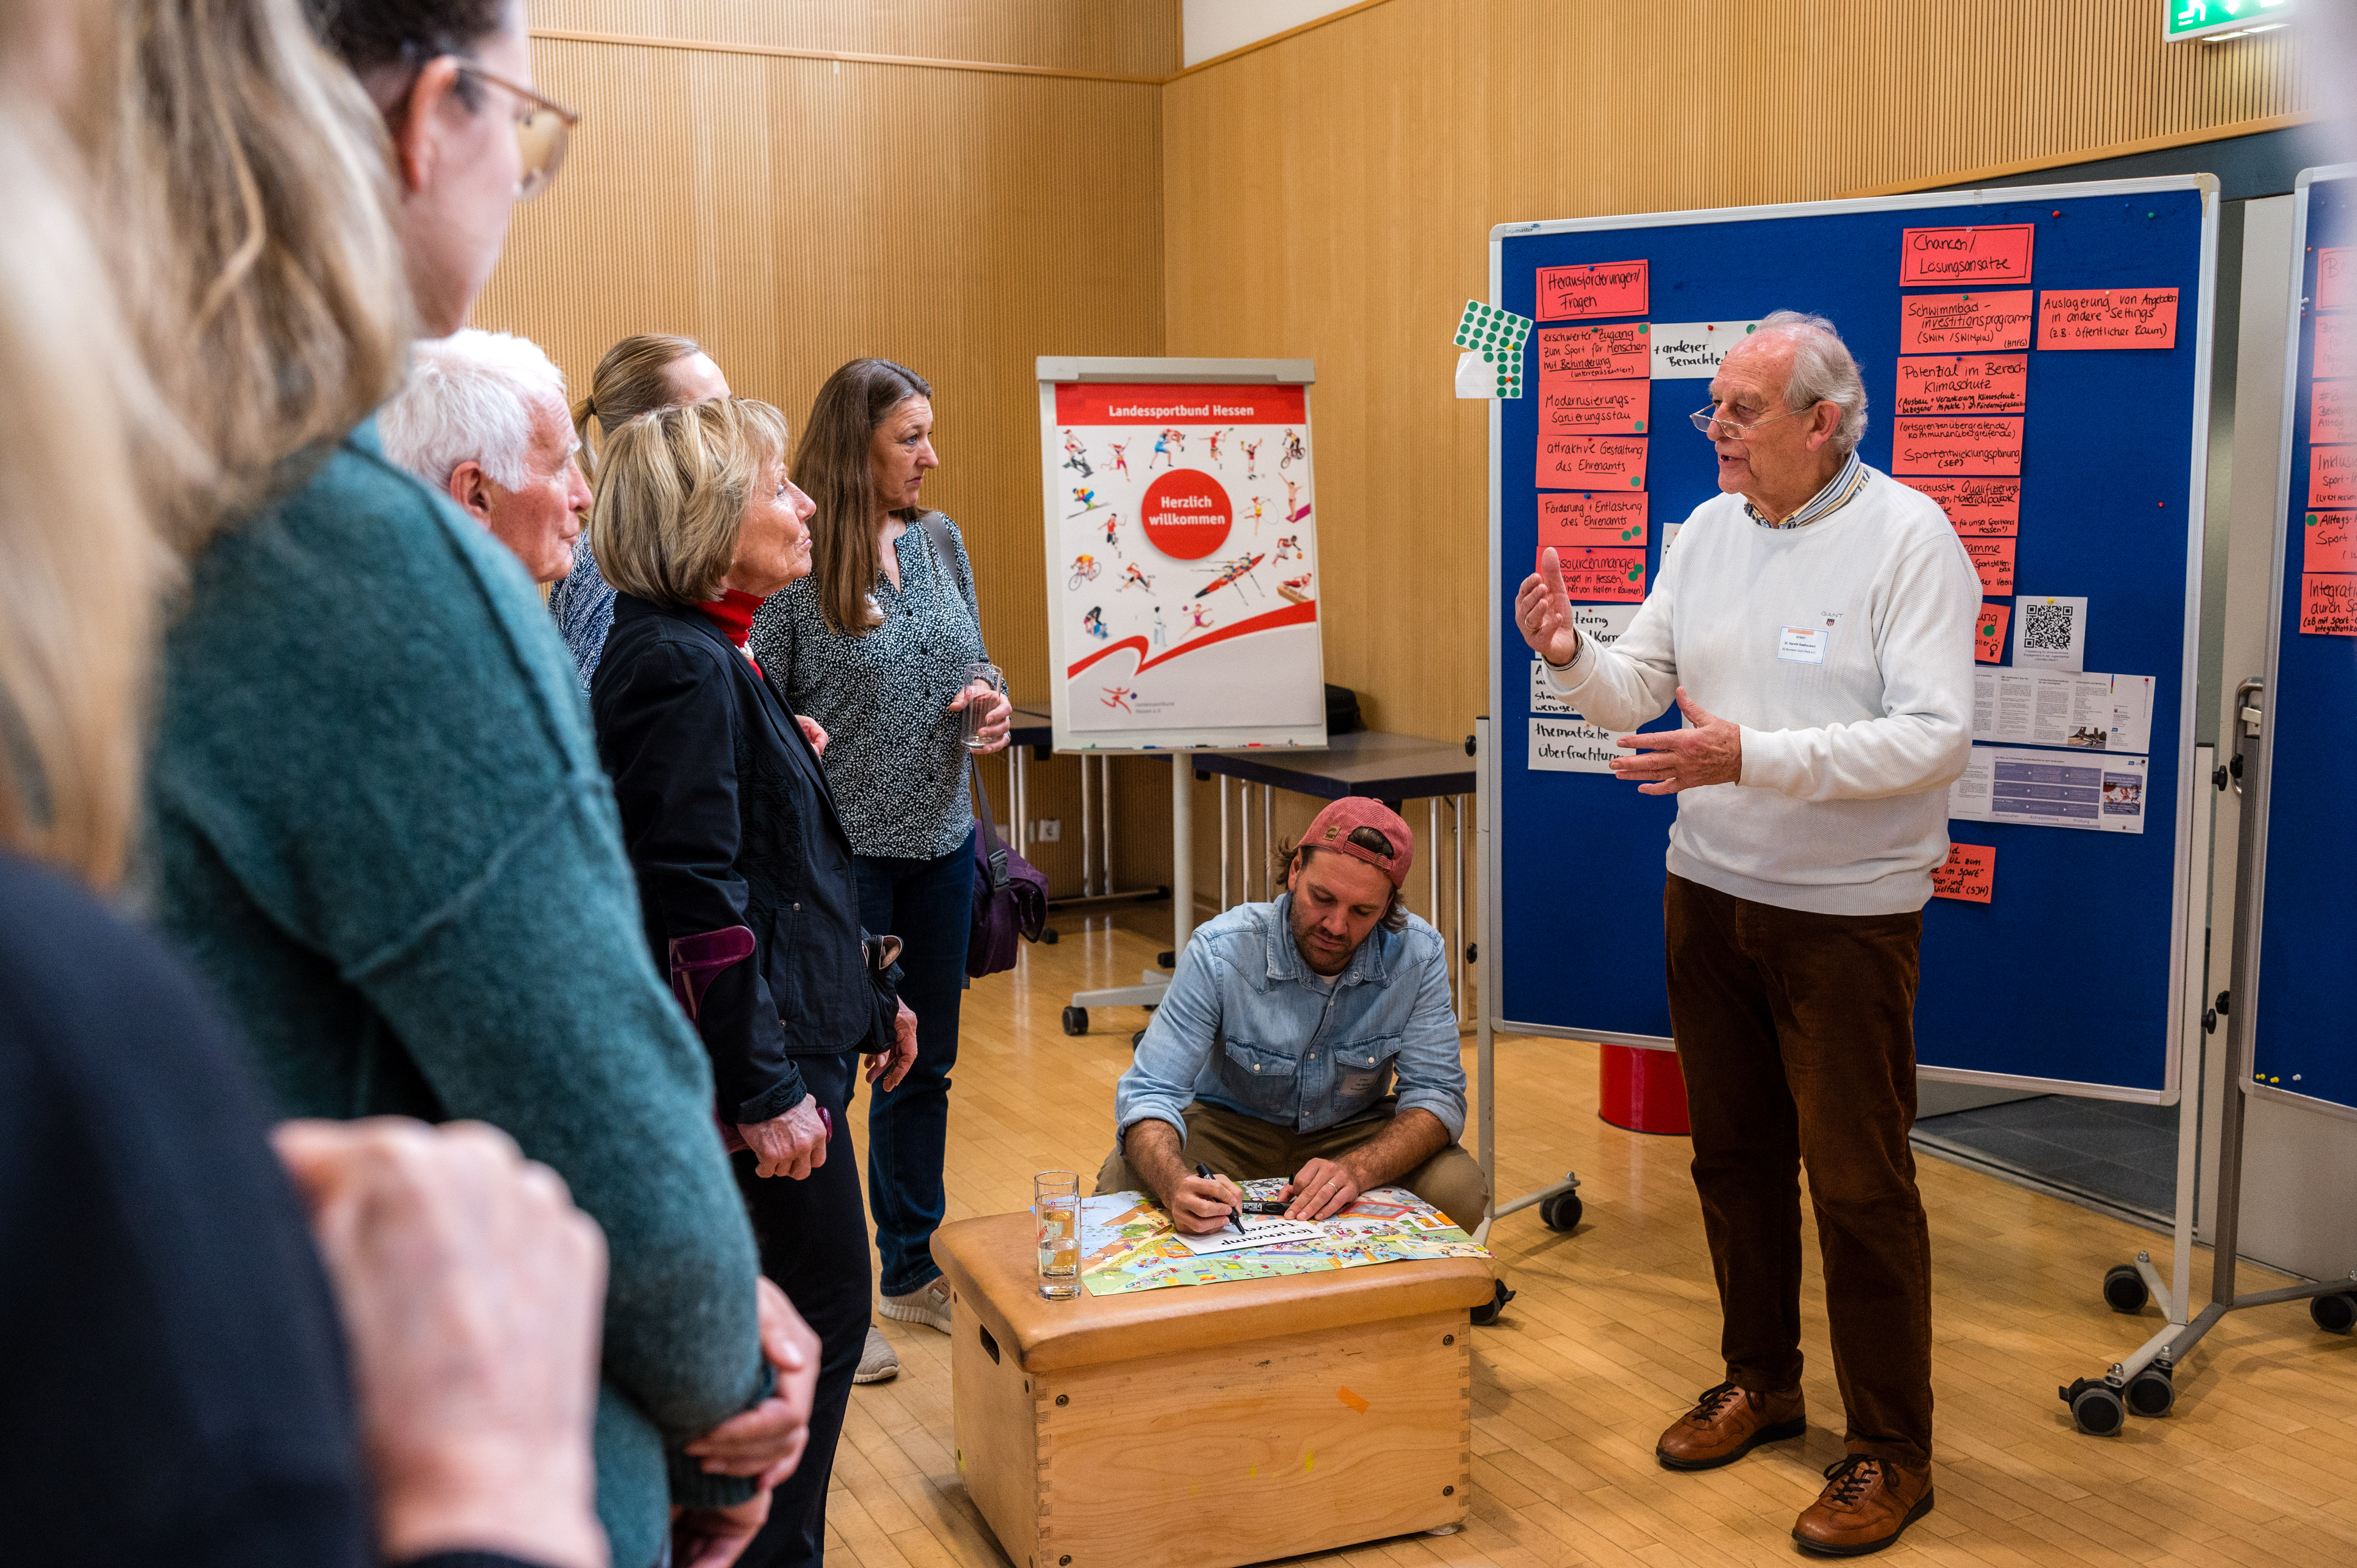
(2263, 797)
(2181, 974)
(1054, 369)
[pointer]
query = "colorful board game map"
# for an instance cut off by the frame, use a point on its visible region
(1128, 1243)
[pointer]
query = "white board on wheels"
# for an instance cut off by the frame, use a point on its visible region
(1182, 553)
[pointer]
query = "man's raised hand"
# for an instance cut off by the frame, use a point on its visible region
(1542, 612)
(1670, 760)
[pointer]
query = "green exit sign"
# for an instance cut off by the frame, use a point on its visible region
(2184, 19)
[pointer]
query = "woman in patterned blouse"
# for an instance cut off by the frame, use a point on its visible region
(876, 644)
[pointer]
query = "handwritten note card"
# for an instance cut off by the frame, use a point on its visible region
(1950, 323)
(2107, 319)
(1595, 408)
(1939, 447)
(2330, 542)
(1993, 559)
(1622, 350)
(1979, 383)
(1594, 518)
(1969, 876)
(1590, 462)
(2333, 475)
(1608, 576)
(2336, 347)
(1988, 634)
(1608, 288)
(2333, 412)
(1995, 254)
(2336, 278)
(2328, 603)
(1692, 351)
(1985, 508)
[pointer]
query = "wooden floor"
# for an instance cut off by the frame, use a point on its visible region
(1615, 1331)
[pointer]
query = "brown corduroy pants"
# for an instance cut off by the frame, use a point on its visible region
(1796, 1034)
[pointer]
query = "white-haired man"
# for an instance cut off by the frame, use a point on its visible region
(483, 419)
(1827, 611)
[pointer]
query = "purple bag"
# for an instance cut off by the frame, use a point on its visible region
(1010, 895)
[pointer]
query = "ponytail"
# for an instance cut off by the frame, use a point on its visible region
(633, 378)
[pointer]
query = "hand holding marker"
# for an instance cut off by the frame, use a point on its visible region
(1235, 1216)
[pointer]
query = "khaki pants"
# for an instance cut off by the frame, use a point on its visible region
(1245, 1148)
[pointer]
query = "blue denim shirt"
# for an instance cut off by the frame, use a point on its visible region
(1242, 1027)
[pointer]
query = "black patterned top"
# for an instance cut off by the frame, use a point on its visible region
(895, 754)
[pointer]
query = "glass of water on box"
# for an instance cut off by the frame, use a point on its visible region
(1056, 1202)
(977, 711)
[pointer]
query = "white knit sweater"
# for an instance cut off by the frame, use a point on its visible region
(1842, 809)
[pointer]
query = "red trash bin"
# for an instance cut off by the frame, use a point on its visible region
(1642, 1091)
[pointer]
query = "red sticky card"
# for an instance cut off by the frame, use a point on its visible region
(2331, 414)
(1988, 634)
(1591, 462)
(1613, 576)
(1597, 408)
(1983, 508)
(1942, 447)
(1934, 323)
(2329, 542)
(2336, 347)
(1617, 352)
(1608, 288)
(1978, 383)
(1993, 559)
(2336, 278)
(1613, 519)
(2333, 475)
(1970, 873)
(2107, 319)
(1998, 254)
(2328, 603)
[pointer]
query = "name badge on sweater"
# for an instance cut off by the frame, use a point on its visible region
(1801, 644)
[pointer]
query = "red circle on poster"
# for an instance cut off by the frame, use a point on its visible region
(1187, 514)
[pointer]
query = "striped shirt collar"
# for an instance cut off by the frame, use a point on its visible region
(1837, 494)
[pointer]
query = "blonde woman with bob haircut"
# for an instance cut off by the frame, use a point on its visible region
(746, 876)
(640, 373)
(374, 808)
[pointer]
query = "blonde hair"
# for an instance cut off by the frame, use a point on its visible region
(632, 379)
(79, 566)
(247, 183)
(671, 494)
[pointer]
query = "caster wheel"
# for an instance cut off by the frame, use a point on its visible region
(1076, 1020)
(2096, 1406)
(2123, 1289)
(1136, 1039)
(2151, 1393)
(2334, 1314)
(1048, 934)
(1562, 1211)
(1486, 1314)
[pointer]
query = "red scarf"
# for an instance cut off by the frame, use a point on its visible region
(733, 613)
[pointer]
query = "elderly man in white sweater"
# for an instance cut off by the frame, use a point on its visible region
(1814, 626)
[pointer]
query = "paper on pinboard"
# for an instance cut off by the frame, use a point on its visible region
(1572, 745)
(1692, 351)
(2052, 789)
(1260, 1230)
(2050, 632)
(2054, 707)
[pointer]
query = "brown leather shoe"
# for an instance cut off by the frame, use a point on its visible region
(1867, 1503)
(1726, 1424)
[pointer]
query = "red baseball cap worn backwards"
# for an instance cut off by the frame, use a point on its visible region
(1366, 830)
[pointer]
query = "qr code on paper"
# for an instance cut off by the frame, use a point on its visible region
(2048, 628)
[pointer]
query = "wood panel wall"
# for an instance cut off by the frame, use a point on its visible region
(794, 213)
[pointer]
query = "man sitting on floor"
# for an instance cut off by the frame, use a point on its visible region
(1273, 1051)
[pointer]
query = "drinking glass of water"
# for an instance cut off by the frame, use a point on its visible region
(1056, 1201)
(977, 710)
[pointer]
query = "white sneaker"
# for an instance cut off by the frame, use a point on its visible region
(930, 1306)
(878, 1363)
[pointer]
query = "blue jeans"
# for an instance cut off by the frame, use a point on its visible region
(929, 905)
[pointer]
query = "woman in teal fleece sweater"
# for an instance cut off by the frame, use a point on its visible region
(378, 823)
